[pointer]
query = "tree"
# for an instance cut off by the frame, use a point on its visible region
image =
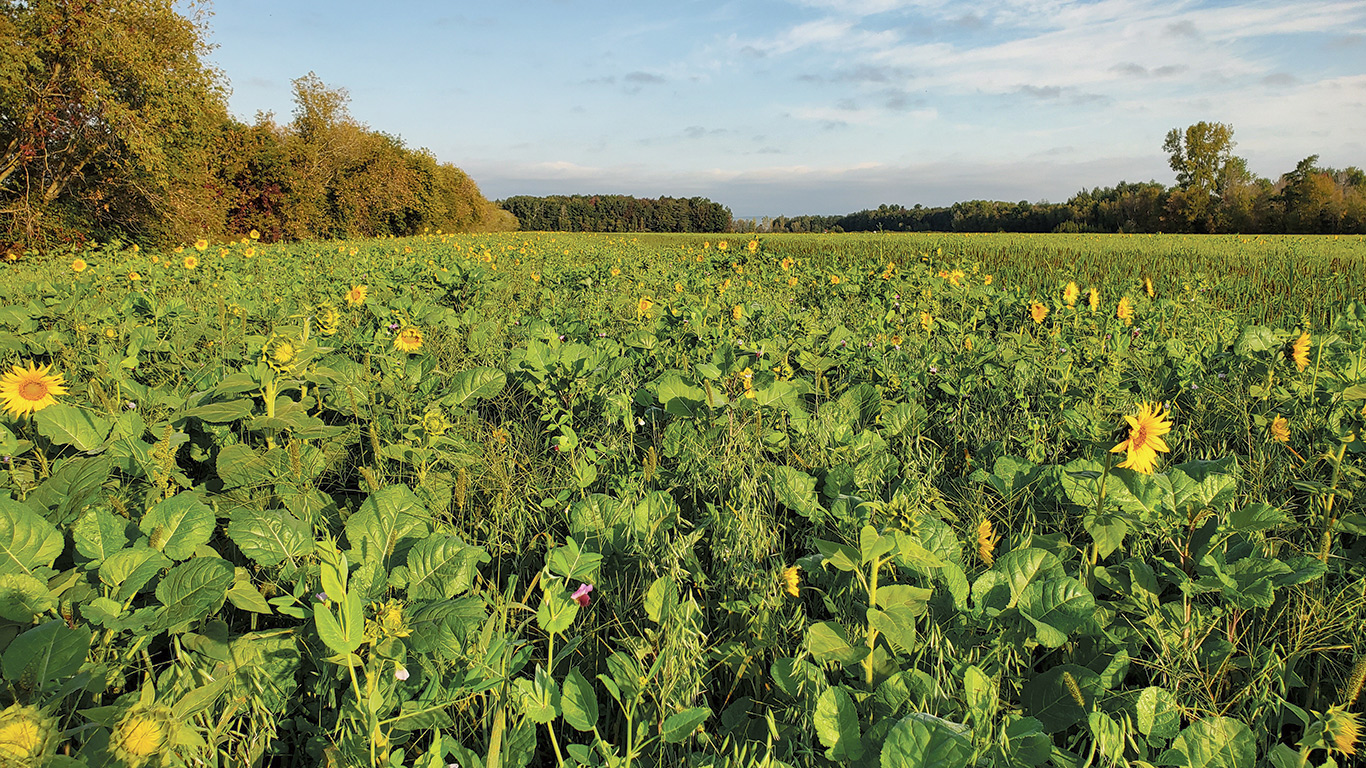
(1202, 157)
(108, 120)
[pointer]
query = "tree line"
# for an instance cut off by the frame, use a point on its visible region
(1214, 193)
(113, 126)
(618, 213)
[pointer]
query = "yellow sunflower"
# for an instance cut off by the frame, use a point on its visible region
(79, 265)
(1299, 351)
(254, 235)
(643, 306)
(1145, 438)
(926, 321)
(144, 734)
(190, 262)
(25, 735)
(792, 579)
(1125, 311)
(201, 245)
(356, 296)
(1070, 294)
(1280, 429)
(1148, 286)
(786, 263)
(1093, 299)
(26, 390)
(1038, 312)
(408, 340)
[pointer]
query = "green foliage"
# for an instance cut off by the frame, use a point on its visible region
(764, 517)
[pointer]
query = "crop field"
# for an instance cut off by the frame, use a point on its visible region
(684, 500)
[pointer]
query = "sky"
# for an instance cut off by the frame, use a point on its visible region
(788, 107)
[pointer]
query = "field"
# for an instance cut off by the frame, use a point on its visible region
(612, 500)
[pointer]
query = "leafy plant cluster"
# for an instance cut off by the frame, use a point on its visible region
(503, 500)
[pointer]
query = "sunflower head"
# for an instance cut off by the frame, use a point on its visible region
(1070, 294)
(79, 265)
(1299, 351)
(281, 353)
(1342, 730)
(1125, 310)
(1038, 312)
(926, 321)
(408, 340)
(144, 735)
(737, 312)
(987, 539)
(190, 262)
(254, 235)
(201, 245)
(26, 735)
(1280, 429)
(786, 263)
(1145, 438)
(643, 306)
(25, 390)
(1093, 299)
(434, 423)
(356, 296)
(792, 580)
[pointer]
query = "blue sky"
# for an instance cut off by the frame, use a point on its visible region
(816, 106)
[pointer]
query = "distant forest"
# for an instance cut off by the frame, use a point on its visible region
(618, 213)
(1214, 193)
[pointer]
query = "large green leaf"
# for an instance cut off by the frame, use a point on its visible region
(27, 541)
(1022, 567)
(1158, 714)
(388, 519)
(441, 567)
(679, 397)
(924, 741)
(179, 524)
(475, 383)
(837, 725)
(241, 467)
(77, 483)
(193, 590)
(69, 425)
(1056, 606)
(23, 597)
(47, 652)
(677, 728)
(129, 570)
(797, 491)
(269, 537)
(579, 702)
(1048, 697)
(100, 533)
(1215, 742)
(1201, 484)
(828, 641)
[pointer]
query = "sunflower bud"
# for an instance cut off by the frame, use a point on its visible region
(26, 735)
(144, 735)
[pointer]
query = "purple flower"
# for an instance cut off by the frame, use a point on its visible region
(392, 326)
(934, 369)
(580, 595)
(322, 597)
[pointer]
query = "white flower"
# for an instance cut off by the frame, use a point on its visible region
(401, 674)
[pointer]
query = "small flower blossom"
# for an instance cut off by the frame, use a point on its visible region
(580, 595)
(401, 674)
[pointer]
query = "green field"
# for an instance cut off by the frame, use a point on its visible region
(865, 500)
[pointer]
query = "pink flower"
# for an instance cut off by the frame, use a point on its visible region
(581, 595)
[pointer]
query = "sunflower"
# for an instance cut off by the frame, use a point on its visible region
(792, 579)
(190, 262)
(254, 235)
(834, 279)
(134, 276)
(144, 735)
(926, 321)
(987, 539)
(201, 245)
(1093, 299)
(1148, 286)
(26, 390)
(1125, 311)
(1070, 294)
(1038, 312)
(643, 306)
(786, 263)
(79, 265)
(986, 280)
(615, 271)
(737, 312)
(752, 246)
(25, 735)
(1145, 438)
(1280, 429)
(281, 353)
(1299, 351)
(723, 245)
(356, 296)
(249, 252)
(408, 340)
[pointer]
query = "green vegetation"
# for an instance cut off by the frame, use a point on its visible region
(507, 500)
(617, 213)
(112, 127)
